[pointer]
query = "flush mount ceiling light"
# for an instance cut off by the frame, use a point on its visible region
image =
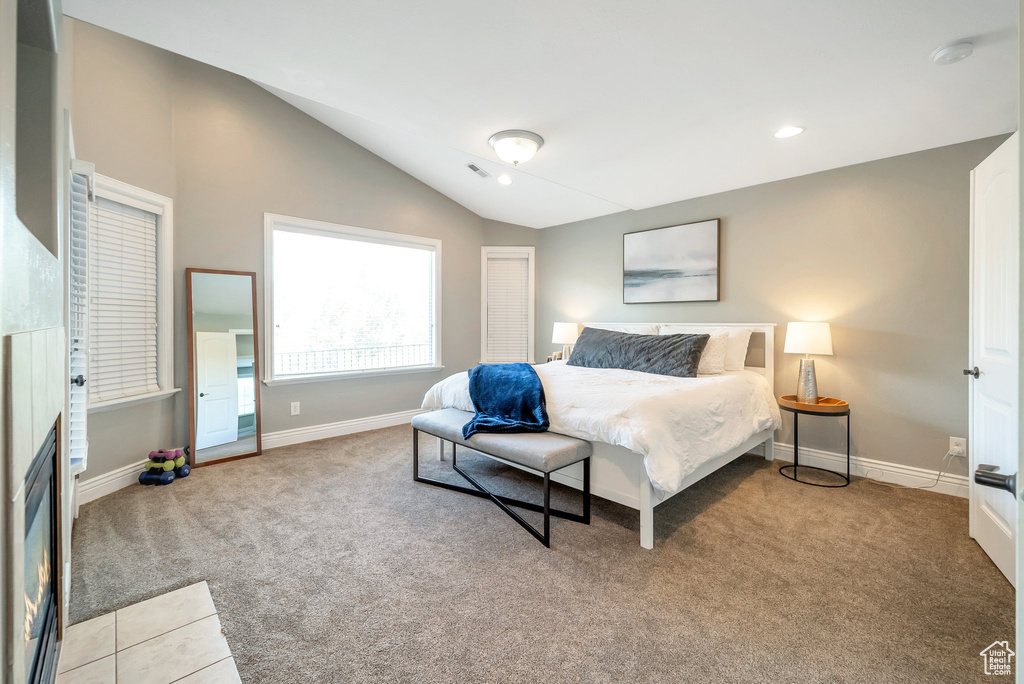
(953, 53)
(515, 147)
(505, 179)
(789, 131)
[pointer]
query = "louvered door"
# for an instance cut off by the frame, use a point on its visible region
(507, 310)
(78, 322)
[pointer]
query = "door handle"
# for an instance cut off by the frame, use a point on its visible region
(78, 380)
(986, 475)
(973, 372)
(202, 394)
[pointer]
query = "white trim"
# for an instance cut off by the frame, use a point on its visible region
(531, 254)
(404, 370)
(163, 207)
(272, 440)
(883, 471)
(971, 432)
(311, 226)
(125, 402)
(108, 483)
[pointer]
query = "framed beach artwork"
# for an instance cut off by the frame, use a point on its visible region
(674, 264)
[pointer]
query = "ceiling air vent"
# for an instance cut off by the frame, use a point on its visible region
(478, 171)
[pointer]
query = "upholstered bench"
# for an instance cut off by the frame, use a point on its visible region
(543, 452)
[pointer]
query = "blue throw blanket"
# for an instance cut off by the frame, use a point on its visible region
(508, 397)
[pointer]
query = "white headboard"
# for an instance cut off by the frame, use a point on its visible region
(762, 331)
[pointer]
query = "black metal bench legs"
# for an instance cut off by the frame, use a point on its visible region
(503, 502)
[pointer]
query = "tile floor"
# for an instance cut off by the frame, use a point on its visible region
(175, 637)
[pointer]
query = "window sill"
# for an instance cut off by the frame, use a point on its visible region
(352, 374)
(113, 404)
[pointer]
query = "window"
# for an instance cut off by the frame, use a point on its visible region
(507, 301)
(129, 295)
(346, 301)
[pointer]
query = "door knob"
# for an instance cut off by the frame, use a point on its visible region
(78, 380)
(973, 372)
(202, 394)
(986, 475)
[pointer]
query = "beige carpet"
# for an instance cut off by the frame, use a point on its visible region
(328, 564)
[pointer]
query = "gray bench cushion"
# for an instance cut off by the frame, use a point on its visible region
(543, 451)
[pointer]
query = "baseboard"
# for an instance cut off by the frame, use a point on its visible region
(108, 483)
(908, 476)
(272, 440)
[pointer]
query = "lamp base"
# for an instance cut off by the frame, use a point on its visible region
(807, 383)
(566, 351)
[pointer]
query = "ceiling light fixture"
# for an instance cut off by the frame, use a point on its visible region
(789, 131)
(514, 146)
(505, 179)
(953, 53)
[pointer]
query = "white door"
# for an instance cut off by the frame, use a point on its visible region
(995, 234)
(217, 387)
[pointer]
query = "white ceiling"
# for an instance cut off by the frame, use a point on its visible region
(640, 103)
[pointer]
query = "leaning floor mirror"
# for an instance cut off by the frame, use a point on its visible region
(224, 368)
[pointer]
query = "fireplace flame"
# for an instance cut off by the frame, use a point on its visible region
(33, 604)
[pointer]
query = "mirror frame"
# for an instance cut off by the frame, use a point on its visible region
(257, 375)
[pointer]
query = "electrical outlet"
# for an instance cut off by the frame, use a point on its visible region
(958, 445)
(295, 408)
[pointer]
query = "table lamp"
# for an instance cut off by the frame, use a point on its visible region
(565, 334)
(807, 339)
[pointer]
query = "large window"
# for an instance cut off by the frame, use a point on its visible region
(129, 300)
(346, 301)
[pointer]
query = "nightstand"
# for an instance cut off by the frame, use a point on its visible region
(826, 406)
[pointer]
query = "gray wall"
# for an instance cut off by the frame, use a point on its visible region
(877, 249)
(880, 250)
(227, 151)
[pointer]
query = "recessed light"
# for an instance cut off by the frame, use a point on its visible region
(953, 53)
(789, 131)
(504, 179)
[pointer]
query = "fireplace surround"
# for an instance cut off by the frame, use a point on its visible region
(42, 604)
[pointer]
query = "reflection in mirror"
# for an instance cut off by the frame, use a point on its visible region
(223, 365)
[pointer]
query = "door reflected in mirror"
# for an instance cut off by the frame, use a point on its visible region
(223, 365)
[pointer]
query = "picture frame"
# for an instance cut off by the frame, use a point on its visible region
(680, 263)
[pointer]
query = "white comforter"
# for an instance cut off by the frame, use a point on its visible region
(676, 424)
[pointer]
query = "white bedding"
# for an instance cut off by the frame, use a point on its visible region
(676, 424)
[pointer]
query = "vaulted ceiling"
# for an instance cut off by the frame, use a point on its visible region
(639, 103)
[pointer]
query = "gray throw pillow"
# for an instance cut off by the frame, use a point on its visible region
(677, 355)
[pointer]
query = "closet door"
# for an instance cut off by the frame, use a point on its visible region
(78, 322)
(507, 305)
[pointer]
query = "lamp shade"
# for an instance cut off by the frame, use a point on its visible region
(515, 146)
(809, 338)
(565, 333)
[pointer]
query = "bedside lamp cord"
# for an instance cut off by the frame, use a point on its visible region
(947, 461)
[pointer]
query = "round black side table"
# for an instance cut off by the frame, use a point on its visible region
(826, 406)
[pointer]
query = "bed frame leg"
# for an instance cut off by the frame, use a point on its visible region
(769, 449)
(440, 449)
(646, 514)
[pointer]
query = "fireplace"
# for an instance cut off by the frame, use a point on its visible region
(41, 603)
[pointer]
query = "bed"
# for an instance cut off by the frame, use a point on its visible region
(653, 436)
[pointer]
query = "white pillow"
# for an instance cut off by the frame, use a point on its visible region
(631, 328)
(736, 356)
(739, 338)
(712, 359)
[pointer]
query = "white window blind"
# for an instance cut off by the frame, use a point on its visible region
(122, 327)
(508, 305)
(78, 320)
